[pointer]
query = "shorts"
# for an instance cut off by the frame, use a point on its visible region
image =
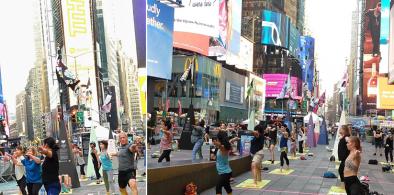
(125, 176)
(378, 143)
(258, 157)
(273, 142)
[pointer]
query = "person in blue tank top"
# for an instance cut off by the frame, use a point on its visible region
(283, 148)
(106, 164)
(33, 171)
(222, 163)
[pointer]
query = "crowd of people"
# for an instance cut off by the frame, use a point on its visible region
(39, 166)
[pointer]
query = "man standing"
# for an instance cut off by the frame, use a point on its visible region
(256, 149)
(127, 172)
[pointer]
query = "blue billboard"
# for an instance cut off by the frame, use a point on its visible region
(160, 27)
(307, 53)
(294, 41)
(275, 29)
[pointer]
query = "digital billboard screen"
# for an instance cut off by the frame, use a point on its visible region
(139, 13)
(306, 54)
(160, 21)
(195, 23)
(275, 83)
(294, 41)
(385, 94)
(371, 55)
(275, 28)
(391, 45)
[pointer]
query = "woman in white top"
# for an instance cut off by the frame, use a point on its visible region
(19, 168)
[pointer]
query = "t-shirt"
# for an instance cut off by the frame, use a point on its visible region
(33, 171)
(50, 169)
(125, 158)
(19, 168)
(257, 143)
(105, 161)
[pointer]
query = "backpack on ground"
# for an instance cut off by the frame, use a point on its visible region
(386, 168)
(373, 162)
(329, 174)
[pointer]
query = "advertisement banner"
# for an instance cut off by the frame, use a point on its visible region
(294, 41)
(235, 8)
(139, 13)
(1, 89)
(275, 29)
(234, 93)
(259, 94)
(245, 55)
(307, 53)
(384, 36)
(385, 95)
(79, 50)
(218, 44)
(160, 27)
(371, 64)
(195, 23)
(198, 17)
(275, 84)
(142, 83)
(391, 45)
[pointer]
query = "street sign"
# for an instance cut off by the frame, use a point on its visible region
(80, 118)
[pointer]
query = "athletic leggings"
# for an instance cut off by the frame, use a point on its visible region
(97, 169)
(283, 155)
(300, 146)
(224, 181)
(108, 180)
(82, 169)
(353, 185)
(388, 151)
(166, 155)
(33, 188)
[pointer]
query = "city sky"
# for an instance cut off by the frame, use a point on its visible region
(328, 21)
(16, 47)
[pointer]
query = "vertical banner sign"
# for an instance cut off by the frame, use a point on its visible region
(160, 26)
(384, 36)
(139, 13)
(79, 44)
(1, 89)
(372, 52)
(391, 45)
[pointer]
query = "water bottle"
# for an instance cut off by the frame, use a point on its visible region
(42, 191)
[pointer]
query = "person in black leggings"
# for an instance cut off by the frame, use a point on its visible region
(343, 151)
(388, 147)
(283, 149)
(96, 162)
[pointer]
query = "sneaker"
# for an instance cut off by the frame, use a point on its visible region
(272, 161)
(374, 154)
(380, 154)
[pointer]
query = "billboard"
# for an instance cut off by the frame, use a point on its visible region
(235, 9)
(1, 89)
(384, 36)
(259, 94)
(275, 84)
(391, 45)
(234, 93)
(275, 28)
(306, 55)
(198, 16)
(142, 84)
(371, 55)
(195, 23)
(385, 95)
(139, 13)
(245, 55)
(160, 27)
(294, 41)
(78, 43)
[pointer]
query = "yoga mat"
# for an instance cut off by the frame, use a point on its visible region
(70, 192)
(249, 184)
(284, 171)
(95, 184)
(335, 190)
(293, 158)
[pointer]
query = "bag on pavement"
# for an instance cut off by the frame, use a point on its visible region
(386, 168)
(373, 162)
(329, 174)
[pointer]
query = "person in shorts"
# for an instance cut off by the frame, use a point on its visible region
(378, 135)
(256, 150)
(127, 173)
(272, 136)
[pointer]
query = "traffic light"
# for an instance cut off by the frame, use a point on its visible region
(74, 116)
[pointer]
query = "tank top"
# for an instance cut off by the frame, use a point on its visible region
(94, 157)
(222, 164)
(105, 161)
(165, 143)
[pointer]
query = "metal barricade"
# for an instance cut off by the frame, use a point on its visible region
(6, 170)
